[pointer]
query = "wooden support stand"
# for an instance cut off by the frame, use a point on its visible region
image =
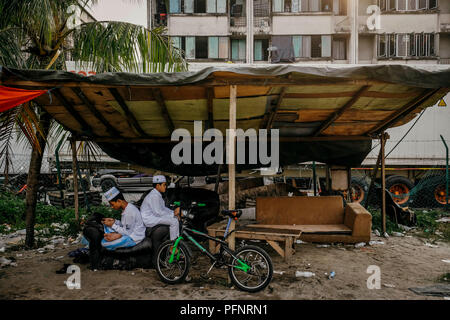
(281, 241)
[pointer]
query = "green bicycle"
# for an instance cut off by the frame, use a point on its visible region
(249, 267)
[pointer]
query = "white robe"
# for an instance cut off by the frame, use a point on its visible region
(154, 212)
(131, 224)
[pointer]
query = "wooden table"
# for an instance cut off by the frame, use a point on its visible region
(273, 236)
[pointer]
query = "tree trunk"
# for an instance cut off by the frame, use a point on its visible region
(32, 181)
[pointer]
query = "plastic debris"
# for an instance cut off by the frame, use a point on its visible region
(377, 233)
(300, 241)
(323, 246)
(360, 245)
(305, 274)
(404, 228)
(4, 262)
(279, 272)
(431, 245)
(2, 249)
(49, 247)
(388, 285)
(446, 261)
(386, 235)
(375, 242)
(397, 234)
(332, 275)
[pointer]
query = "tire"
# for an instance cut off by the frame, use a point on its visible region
(165, 269)
(400, 188)
(360, 188)
(432, 194)
(249, 254)
(107, 184)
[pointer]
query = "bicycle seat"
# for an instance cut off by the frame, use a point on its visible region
(234, 214)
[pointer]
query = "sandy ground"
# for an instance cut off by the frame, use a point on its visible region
(404, 262)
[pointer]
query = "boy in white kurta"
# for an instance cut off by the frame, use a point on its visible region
(127, 232)
(154, 210)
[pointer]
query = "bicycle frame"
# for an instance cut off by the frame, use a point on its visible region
(224, 246)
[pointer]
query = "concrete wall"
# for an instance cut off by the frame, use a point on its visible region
(189, 25)
(366, 48)
(302, 24)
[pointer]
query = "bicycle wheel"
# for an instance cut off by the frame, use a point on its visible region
(260, 274)
(175, 272)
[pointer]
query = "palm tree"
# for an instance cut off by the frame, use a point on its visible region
(41, 34)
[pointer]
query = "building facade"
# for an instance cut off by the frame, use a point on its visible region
(307, 31)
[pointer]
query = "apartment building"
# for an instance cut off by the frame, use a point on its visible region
(307, 31)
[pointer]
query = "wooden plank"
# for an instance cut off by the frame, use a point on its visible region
(303, 228)
(274, 110)
(84, 125)
(383, 183)
(95, 112)
(231, 163)
(73, 144)
(277, 247)
(281, 139)
(339, 112)
(410, 106)
(129, 115)
(160, 99)
(288, 250)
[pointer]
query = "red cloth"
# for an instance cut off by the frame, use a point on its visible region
(11, 97)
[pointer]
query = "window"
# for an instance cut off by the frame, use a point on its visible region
(392, 46)
(422, 4)
(339, 49)
(305, 5)
(412, 45)
(401, 5)
(382, 45)
(391, 4)
(406, 45)
(316, 46)
(327, 5)
(198, 6)
(407, 5)
(402, 45)
(261, 8)
(260, 50)
(343, 7)
(237, 8)
(202, 47)
(238, 49)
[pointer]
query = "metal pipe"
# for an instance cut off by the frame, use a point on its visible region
(446, 172)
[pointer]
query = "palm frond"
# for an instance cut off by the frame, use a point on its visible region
(113, 46)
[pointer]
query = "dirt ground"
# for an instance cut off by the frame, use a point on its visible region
(404, 262)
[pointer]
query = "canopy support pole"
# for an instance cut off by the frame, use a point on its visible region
(383, 182)
(231, 141)
(75, 176)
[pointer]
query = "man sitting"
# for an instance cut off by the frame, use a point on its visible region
(127, 232)
(154, 210)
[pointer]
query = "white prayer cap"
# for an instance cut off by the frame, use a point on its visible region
(111, 193)
(159, 179)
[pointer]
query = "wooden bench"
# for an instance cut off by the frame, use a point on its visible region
(273, 235)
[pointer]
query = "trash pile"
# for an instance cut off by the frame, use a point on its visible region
(49, 238)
